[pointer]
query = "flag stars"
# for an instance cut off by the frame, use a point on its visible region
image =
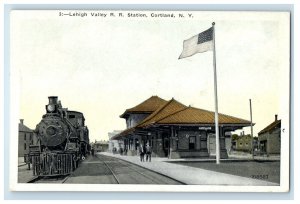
(205, 36)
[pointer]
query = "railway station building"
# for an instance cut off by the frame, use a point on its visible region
(175, 130)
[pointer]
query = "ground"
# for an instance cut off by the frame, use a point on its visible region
(264, 170)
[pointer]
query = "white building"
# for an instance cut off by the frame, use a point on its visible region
(114, 143)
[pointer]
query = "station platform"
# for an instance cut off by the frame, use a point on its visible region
(24, 174)
(191, 175)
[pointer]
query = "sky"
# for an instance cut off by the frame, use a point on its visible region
(101, 66)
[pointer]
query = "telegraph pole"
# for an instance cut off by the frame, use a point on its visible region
(251, 130)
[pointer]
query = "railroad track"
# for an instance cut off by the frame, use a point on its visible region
(156, 181)
(134, 168)
(34, 179)
(47, 179)
(109, 170)
(112, 172)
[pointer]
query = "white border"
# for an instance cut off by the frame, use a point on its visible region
(296, 75)
(284, 167)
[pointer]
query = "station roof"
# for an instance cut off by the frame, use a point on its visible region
(148, 106)
(173, 112)
(123, 133)
(272, 126)
(191, 115)
(164, 111)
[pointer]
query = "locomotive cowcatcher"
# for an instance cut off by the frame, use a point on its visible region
(62, 141)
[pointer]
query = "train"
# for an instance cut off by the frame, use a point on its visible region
(62, 141)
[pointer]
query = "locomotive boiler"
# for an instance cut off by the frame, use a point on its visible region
(63, 141)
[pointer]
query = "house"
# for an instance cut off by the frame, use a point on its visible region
(26, 138)
(269, 138)
(244, 143)
(175, 130)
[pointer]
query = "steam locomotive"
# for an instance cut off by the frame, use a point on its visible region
(62, 141)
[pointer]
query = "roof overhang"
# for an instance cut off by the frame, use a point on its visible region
(126, 114)
(201, 124)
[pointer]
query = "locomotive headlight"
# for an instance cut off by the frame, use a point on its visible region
(51, 108)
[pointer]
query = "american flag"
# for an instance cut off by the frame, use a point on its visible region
(205, 36)
(198, 43)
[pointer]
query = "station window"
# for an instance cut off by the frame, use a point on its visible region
(192, 142)
(24, 146)
(25, 136)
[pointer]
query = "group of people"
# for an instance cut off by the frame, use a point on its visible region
(145, 150)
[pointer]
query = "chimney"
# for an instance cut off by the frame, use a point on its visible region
(22, 121)
(276, 117)
(52, 99)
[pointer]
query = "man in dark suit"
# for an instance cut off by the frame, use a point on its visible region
(142, 152)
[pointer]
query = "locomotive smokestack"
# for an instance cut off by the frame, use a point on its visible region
(22, 121)
(52, 99)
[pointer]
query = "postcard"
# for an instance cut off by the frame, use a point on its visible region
(158, 101)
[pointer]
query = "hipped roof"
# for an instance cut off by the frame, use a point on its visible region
(148, 106)
(174, 112)
(191, 115)
(169, 108)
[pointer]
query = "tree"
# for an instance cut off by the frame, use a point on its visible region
(234, 137)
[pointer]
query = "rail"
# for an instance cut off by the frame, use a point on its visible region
(112, 172)
(155, 180)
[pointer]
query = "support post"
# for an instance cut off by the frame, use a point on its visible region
(170, 142)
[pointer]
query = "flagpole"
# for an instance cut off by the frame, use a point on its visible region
(216, 100)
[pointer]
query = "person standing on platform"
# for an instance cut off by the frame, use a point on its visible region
(148, 152)
(142, 152)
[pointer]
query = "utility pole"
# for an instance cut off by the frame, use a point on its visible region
(251, 129)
